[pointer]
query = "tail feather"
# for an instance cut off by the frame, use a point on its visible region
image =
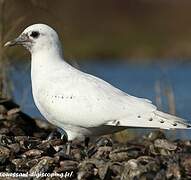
(174, 119)
(156, 119)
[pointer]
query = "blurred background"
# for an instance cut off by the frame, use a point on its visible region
(141, 46)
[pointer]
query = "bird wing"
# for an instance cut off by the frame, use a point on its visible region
(147, 116)
(96, 102)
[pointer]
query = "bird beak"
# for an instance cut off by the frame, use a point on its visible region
(18, 41)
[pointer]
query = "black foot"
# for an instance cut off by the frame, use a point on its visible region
(104, 141)
(58, 134)
(55, 134)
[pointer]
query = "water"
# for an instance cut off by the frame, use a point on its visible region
(136, 79)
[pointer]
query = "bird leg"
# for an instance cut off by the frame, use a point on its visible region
(59, 133)
(68, 147)
(54, 133)
(104, 141)
(62, 135)
(86, 142)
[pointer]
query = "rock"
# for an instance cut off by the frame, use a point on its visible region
(27, 144)
(104, 171)
(144, 160)
(103, 152)
(20, 165)
(155, 135)
(2, 168)
(15, 147)
(165, 144)
(173, 171)
(4, 154)
(160, 175)
(104, 141)
(5, 140)
(21, 138)
(116, 168)
(47, 147)
(4, 131)
(162, 147)
(68, 165)
(56, 142)
(33, 153)
(13, 111)
(62, 155)
(144, 167)
(10, 168)
(77, 144)
(3, 110)
(186, 164)
(12, 117)
(46, 164)
(16, 130)
(31, 162)
(125, 153)
(131, 170)
(119, 156)
(78, 154)
(87, 170)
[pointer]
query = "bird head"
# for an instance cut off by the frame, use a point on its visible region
(37, 37)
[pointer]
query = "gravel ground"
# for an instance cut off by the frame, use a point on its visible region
(24, 148)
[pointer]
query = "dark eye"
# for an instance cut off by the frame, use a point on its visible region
(35, 34)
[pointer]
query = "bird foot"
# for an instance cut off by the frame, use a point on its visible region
(104, 141)
(58, 134)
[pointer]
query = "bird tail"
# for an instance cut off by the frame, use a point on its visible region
(173, 121)
(155, 119)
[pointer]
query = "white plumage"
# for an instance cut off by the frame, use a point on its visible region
(82, 104)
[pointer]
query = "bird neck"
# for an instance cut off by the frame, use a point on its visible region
(46, 53)
(46, 62)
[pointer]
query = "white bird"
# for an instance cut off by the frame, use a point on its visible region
(79, 103)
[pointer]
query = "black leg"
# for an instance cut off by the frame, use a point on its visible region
(64, 135)
(86, 141)
(104, 141)
(59, 134)
(53, 134)
(68, 147)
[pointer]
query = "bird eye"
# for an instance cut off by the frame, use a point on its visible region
(35, 34)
